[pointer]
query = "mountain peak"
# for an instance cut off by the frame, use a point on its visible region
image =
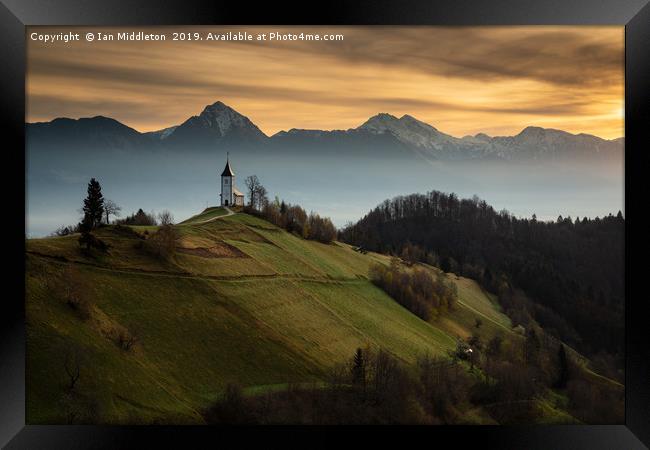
(380, 120)
(216, 107)
(220, 120)
(408, 130)
(531, 131)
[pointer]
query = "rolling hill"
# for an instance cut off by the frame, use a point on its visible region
(241, 301)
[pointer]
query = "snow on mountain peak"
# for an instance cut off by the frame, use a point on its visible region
(218, 115)
(407, 129)
(220, 120)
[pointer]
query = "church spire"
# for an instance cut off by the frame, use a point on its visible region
(227, 171)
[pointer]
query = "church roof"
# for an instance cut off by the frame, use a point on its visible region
(237, 192)
(227, 172)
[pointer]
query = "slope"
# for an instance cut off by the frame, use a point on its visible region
(241, 301)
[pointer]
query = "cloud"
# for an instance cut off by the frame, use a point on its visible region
(462, 78)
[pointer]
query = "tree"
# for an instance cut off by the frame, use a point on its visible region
(257, 193)
(493, 349)
(253, 184)
(139, 218)
(111, 209)
(563, 364)
(91, 241)
(475, 347)
(65, 230)
(93, 208)
(162, 244)
(260, 197)
(70, 285)
(166, 218)
(359, 369)
(445, 264)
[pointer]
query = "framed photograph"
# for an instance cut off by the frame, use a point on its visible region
(392, 219)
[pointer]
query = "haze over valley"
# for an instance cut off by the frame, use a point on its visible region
(340, 173)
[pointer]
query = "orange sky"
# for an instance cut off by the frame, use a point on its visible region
(462, 80)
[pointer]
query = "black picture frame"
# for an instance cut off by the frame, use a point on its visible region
(15, 15)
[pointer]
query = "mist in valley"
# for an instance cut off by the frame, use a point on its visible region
(341, 185)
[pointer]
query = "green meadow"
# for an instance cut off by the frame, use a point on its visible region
(240, 301)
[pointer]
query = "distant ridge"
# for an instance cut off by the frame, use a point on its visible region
(219, 125)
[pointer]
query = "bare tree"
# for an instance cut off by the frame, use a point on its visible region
(253, 184)
(166, 217)
(260, 198)
(111, 209)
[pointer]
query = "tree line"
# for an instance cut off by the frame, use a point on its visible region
(292, 218)
(418, 290)
(571, 270)
(502, 386)
(98, 210)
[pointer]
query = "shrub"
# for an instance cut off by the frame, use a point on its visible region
(126, 339)
(128, 231)
(92, 242)
(69, 286)
(138, 218)
(162, 243)
(166, 218)
(65, 230)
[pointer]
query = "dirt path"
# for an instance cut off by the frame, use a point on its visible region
(229, 212)
(165, 273)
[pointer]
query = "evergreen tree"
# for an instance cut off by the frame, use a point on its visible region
(93, 205)
(563, 363)
(445, 264)
(359, 369)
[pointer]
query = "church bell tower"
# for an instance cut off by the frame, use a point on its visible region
(227, 184)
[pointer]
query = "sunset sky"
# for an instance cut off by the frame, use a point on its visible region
(462, 80)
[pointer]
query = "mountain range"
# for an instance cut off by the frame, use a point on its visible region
(219, 126)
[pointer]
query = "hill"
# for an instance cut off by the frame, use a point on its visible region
(241, 300)
(570, 270)
(146, 339)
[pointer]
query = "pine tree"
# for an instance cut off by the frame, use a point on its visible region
(563, 363)
(93, 205)
(359, 369)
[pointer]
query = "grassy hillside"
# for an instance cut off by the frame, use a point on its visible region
(207, 214)
(241, 301)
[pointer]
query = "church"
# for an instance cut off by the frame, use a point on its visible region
(230, 196)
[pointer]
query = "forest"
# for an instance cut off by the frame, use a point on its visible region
(507, 383)
(565, 275)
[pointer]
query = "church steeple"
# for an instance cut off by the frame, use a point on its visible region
(229, 195)
(227, 171)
